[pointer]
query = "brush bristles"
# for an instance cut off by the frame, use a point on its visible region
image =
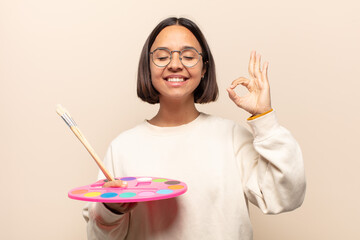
(64, 114)
(60, 110)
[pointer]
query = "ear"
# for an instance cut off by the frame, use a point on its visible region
(203, 71)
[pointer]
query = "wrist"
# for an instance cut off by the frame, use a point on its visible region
(112, 209)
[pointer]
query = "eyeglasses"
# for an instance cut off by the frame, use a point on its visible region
(189, 57)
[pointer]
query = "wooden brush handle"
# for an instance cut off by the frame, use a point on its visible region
(86, 144)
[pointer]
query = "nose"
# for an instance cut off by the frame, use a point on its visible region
(175, 63)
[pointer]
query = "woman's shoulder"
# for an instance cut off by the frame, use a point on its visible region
(218, 120)
(129, 134)
(221, 124)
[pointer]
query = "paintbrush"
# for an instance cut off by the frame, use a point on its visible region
(74, 128)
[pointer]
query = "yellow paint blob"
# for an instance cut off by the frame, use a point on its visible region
(92, 194)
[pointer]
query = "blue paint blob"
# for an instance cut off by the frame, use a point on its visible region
(164, 191)
(108, 195)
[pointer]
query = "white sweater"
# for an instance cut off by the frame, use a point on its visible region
(224, 166)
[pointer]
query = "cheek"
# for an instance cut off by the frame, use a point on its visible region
(156, 77)
(198, 72)
(155, 73)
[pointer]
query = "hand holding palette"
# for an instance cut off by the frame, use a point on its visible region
(139, 189)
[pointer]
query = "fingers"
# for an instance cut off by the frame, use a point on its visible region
(255, 65)
(257, 69)
(232, 94)
(252, 64)
(241, 80)
(257, 73)
(234, 97)
(116, 183)
(120, 208)
(127, 207)
(264, 74)
(257, 85)
(132, 205)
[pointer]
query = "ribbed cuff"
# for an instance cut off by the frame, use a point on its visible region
(264, 126)
(259, 115)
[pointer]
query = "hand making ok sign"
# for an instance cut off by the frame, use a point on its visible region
(257, 100)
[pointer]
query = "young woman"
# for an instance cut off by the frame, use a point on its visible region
(223, 164)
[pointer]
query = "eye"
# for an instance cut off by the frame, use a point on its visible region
(162, 58)
(189, 54)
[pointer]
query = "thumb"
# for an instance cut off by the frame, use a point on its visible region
(234, 97)
(116, 183)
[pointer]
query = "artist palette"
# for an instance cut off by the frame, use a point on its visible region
(139, 189)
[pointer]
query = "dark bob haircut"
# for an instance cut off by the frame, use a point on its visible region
(206, 92)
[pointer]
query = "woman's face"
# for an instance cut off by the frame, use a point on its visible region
(175, 81)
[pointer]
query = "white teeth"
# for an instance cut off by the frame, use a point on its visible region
(175, 79)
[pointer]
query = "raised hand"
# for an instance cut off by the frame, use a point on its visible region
(257, 100)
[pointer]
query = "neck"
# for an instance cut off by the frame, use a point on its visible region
(175, 113)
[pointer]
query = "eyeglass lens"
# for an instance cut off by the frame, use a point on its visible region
(188, 57)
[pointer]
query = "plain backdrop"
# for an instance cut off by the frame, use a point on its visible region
(84, 55)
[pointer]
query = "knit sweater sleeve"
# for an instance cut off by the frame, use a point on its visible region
(271, 165)
(101, 222)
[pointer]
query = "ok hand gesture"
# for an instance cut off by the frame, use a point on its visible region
(258, 100)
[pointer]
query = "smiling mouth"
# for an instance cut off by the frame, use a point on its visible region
(175, 79)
